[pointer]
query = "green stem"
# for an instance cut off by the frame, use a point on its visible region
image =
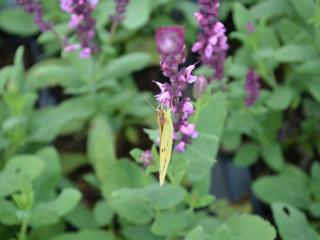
(23, 229)
(113, 31)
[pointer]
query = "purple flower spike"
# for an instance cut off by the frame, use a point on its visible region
(80, 12)
(34, 7)
(121, 7)
(252, 87)
(212, 41)
(171, 48)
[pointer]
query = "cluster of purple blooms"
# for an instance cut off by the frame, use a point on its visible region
(34, 7)
(121, 6)
(212, 41)
(81, 19)
(252, 87)
(171, 48)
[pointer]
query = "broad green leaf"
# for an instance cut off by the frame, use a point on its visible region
(305, 8)
(51, 212)
(295, 53)
(51, 73)
(281, 98)
(273, 156)
(290, 32)
(283, 188)
(47, 232)
(269, 9)
(86, 235)
(309, 67)
(103, 214)
(247, 155)
(125, 65)
(19, 171)
(292, 223)
(82, 218)
(16, 21)
(49, 122)
(72, 161)
(241, 16)
(209, 121)
(169, 223)
(123, 174)
(8, 213)
(132, 232)
(196, 234)
(101, 147)
(132, 208)
(245, 227)
(154, 195)
(45, 185)
(137, 14)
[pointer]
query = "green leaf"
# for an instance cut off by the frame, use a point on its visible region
(131, 208)
(315, 180)
(188, 8)
(158, 197)
(18, 72)
(132, 232)
(209, 121)
(136, 154)
(123, 174)
(126, 64)
(51, 73)
(196, 234)
(5, 73)
(295, 53)
(169, 223)
(101, 149)
(8, 213)
(16, 21)
(268, 9)
(103, 214)
(72, 161)
(51, 212)
(241, 16)
(314, 89)
(19, 171)
(45, 185)
(137, 14)
(247, 155)
(292, 223)
(87, 235)
(47, 232)
(73, 111)
(283, 188)
(281, 98)
(245, 227)
(305, 8)
(288, 30)
(82, 218)
(273, 156)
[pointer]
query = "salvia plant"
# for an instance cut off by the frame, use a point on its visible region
(79, 141)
